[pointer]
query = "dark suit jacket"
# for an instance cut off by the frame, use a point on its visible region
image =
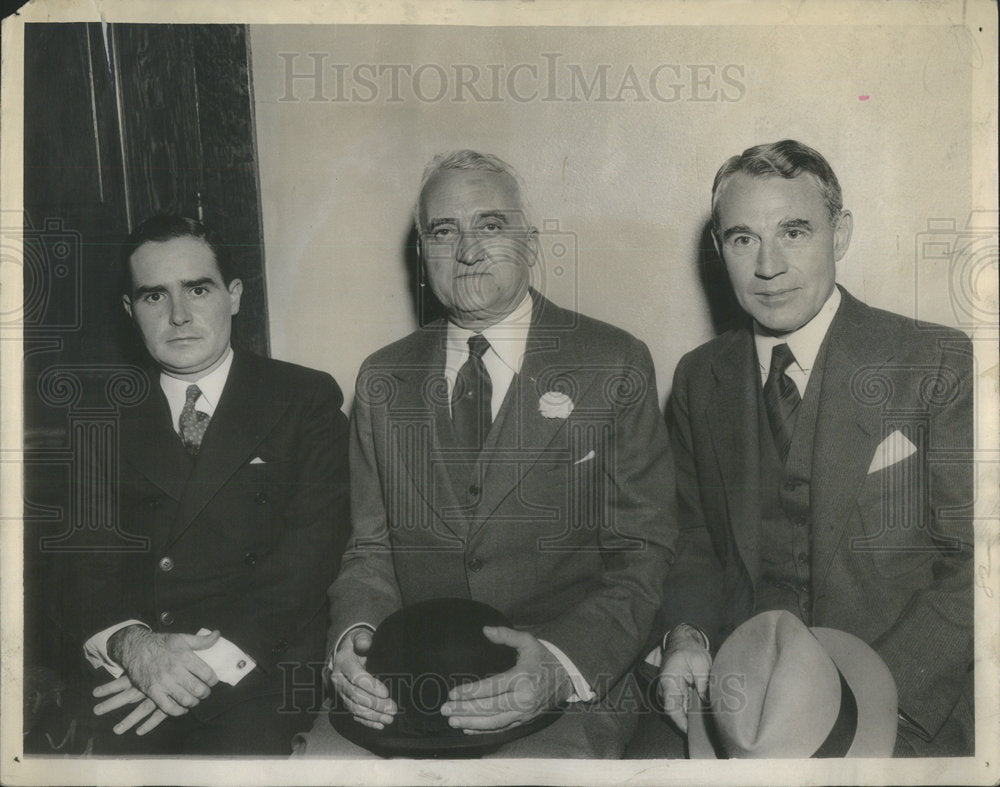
(572, 530)
(253, 545)
(891, 549)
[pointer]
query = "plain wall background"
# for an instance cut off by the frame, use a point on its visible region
(626, 184)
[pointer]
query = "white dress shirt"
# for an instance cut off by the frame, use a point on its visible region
(508, 340)
(804, 343)
(211, 386)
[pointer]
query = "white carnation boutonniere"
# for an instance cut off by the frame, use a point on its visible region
(555, 404)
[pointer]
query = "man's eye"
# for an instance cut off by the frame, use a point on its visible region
(443, 234)
(794, 234)
(742, 241)
(199, 290)
(492, 226)
(153, 297)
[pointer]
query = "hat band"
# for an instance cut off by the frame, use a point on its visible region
(841, 735)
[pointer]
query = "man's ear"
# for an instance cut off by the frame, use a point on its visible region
(717, 244)
(421, 273)
(533, 246)
(235, 291)
(127, 304)
(842, 234)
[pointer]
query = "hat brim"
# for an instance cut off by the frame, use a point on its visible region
(873, 687)
(387, 742)
(867, 675)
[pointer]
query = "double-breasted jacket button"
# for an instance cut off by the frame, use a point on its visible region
(166, 563)
(154, 502)
(250, 558)
(475, 564)
(167, 618)
(260, 498)
(474, 490)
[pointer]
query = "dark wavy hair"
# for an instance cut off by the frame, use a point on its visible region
(163, 227)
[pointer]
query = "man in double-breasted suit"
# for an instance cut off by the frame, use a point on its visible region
(234, 471)
(512, 454)
(824, 459)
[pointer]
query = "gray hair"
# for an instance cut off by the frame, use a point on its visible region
(786, 159)
(465, 159)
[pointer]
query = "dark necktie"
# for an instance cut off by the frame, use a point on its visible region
(781, 398)
(193, 422)
(471, 397)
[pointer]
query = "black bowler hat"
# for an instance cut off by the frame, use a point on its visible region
(421, 652)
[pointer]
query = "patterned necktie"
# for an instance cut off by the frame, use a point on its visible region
(471, 398)
(781, 399)
(193, 422)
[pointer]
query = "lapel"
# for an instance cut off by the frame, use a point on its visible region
(152, 448)
(521, 434)
(847, 428)
(420, 412)
(731, 415)
(249, 408)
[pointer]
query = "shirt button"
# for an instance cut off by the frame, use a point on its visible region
(260, 497)
(790, 486)
(475, 565)
(801, 521)
(166, 563)
(250, 558)
(474, 490)
(803, 557)
(167, 618)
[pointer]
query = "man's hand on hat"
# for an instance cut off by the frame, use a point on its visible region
(686, 663)
(366, 697)
(162, 669)
(536, 683)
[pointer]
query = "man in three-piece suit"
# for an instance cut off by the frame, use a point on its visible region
(513, 454)
(234, 470)
(824, 459)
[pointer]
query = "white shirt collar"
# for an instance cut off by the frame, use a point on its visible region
(508, 341)
(804, 343)
(211, 386)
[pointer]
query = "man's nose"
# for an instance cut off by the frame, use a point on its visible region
(770, 262)
(179, 312)
(468, 250)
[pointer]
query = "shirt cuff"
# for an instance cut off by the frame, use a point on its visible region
(582, 692)
(229, 663)
(348, 630)
(96, 648)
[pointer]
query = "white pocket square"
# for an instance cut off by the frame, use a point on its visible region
(257, 461)
(895, 448)
(587, 458)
